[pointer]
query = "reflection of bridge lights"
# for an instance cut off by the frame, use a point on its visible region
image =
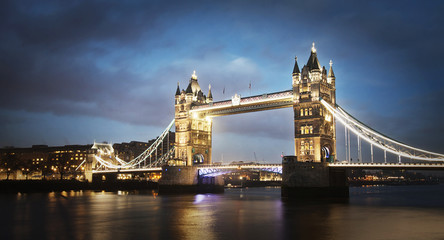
(199, 198)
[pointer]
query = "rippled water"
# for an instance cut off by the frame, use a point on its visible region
(402, 212)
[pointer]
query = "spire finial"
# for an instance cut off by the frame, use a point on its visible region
(194, 75)
(331, 62)
(296, 58)
(209, 86)
(313, 49)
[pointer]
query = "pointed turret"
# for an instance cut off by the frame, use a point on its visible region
(331, 74)
(194, 84)
(210, 95)
(313, 62)
(296, 67)
(189, 90)
(178, 89)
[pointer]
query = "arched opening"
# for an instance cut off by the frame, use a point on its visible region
(198, 159)
(326, 154)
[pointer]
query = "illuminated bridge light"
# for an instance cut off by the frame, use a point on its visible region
(379, 140)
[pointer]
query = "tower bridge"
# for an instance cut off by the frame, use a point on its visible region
(313, 99)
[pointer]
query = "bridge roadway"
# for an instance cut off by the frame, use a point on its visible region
(389, 166)
(262, 102)
(211, 170)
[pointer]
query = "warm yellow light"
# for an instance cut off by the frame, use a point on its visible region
(208, 119)
(328, 118)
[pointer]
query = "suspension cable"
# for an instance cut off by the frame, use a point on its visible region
(377, 139)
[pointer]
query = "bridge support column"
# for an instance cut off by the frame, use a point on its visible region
(186, 179)
(301, 180)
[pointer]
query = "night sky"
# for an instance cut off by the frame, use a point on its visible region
(75, 72)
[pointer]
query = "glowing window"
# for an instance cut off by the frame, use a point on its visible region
(302, 112)
(306, 112)
(310, 111)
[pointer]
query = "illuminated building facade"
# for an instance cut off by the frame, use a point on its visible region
(41, 161)
(193, 131)
(315, 132)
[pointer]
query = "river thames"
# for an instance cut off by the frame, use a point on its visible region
(378, 212)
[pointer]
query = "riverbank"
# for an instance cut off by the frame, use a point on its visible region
(15, 186)
(358, 183)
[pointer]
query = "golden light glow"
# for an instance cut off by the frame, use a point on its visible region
(194, 75)
(328, 118)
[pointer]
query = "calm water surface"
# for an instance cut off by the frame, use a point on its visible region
(385, 212)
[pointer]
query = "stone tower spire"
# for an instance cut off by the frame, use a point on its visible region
(178, 89)
(315, 132)
(210, 95)
(331, 74)
(296, 76)
(313, 62)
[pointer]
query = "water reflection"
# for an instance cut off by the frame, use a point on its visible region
(383, 213)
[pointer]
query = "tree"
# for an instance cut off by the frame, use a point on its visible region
(63, 164)
(10, 163)
(27, 167)
(45, 166)
(60, 163)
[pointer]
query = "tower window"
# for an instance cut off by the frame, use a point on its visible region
(302, 112)
(310, 111)
(307, 130)
(302, 148)
(311, 148)
(306, 112)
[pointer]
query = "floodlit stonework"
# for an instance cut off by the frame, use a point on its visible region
(315, 132)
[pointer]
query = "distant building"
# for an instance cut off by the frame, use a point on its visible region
(128, 151)
(44, 162)
(69, 161)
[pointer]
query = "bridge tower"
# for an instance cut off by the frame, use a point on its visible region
(315, 132)
(193, 130)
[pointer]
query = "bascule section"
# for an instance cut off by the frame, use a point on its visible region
(193, 129)
(315, 132)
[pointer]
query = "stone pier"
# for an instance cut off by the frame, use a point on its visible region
(312, 180)
(186, 179)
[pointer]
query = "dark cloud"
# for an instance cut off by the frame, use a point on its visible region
(121, 61)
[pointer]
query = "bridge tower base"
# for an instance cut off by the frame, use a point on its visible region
(186, 179)
(302, 180)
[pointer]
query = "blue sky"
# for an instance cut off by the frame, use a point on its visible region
(84, 71)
